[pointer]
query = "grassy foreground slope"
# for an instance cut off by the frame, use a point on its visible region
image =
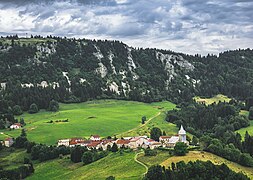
(120, 166)
(103, 117)
(205, 156)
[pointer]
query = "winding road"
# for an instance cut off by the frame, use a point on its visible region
(142, 125)
(139, 162)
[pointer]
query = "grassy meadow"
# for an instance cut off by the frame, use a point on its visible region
(215, 99)
(120, 166)
(12, 158)
(153, 160)
(249, 129)
(205, 156)
(103, 117)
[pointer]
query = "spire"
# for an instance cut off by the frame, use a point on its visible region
(181, 131)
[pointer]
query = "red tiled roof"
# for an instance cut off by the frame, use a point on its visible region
(122, 141)
(165, 137)
(8, 139)
(151, 140)
(93, 144)
(17, 124)
(74, 141)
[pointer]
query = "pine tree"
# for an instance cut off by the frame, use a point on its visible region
(114, 147)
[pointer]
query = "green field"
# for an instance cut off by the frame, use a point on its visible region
(215, 99)
(153, 160)
(205, 156)
(157, 121)
(120, 166)
(12, 158)
(103, 117)
(249, 129)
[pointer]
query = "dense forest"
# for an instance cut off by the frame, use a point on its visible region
(215, 126)
(36, 70)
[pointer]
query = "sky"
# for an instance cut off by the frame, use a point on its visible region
(188, 26)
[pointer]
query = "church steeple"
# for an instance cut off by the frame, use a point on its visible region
(182, 131)
(182, 134)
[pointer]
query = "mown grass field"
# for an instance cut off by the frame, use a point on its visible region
(205, 156)
(103, 117)
(215, 99)
(120, 166)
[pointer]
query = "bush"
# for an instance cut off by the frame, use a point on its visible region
(17, 110)
(180, 149)
(150, 152)
(33, 108)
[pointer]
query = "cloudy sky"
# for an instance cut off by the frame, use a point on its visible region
(190, 26)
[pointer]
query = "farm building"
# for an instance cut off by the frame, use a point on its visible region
(16, 126)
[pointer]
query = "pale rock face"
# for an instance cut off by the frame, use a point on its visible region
(126, 87)
(169, 59)
(55, 85)
(65, 74)
(82, 80)
(43, 84)
(45, 49)
(111, 56)
(131, 64)
(98, 54)
(114, 87)
(123, 73)
(27, 85)
(3, 86)
(102, 70)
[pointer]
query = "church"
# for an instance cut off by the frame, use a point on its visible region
(170, 141)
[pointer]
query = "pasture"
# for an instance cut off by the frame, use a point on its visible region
(120, 166)
(242, 131)
(215, 99)
(205, 156)
(103, 117)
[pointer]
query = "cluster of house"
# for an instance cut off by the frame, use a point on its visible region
(95, 142)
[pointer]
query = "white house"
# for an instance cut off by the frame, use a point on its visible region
(164, 139)
(16, 126)
(123, 142)
(8, 142)
(95, 137)
(64, 142)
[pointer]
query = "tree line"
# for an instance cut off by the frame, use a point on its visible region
(193, 170)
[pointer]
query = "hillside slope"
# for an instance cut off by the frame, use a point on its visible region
(73, 70)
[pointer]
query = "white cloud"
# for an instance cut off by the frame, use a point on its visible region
(192, 26)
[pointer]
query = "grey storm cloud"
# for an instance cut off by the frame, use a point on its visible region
(192, 26)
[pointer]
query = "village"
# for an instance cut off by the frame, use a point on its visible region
(95, 141)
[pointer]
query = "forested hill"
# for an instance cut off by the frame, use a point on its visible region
(36, 70)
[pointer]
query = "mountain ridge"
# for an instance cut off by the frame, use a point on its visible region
(74, 70)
